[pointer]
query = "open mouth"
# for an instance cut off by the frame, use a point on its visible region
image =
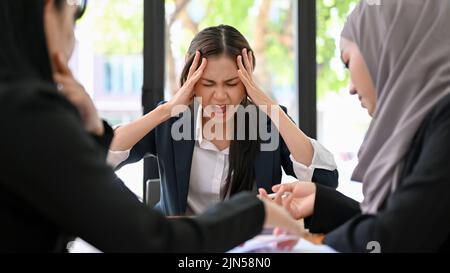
(219, 110)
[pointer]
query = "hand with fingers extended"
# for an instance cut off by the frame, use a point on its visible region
(280, 230)
(246, 64)
(279, 217)
(77, 95)
(298, 198)
(185, 95)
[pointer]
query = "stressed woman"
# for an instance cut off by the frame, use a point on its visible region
(238, 138)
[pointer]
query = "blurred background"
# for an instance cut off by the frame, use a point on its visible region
(109, 62)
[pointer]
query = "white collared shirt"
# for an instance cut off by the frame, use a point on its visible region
(209, 169)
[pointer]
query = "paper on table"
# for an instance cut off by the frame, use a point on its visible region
(267, 244)
(262, 243)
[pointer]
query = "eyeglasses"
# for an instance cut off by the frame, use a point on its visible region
(80, 5)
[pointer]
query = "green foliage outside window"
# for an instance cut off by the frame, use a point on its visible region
(118, 25)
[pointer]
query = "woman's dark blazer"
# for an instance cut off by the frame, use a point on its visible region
(175, 158)
(415, 217)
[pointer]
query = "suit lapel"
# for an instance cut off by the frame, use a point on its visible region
(264, 170)
(264, 165)
(183, 151)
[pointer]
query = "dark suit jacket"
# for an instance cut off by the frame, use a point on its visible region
(175, 158)
(55, 184)
(415, 217)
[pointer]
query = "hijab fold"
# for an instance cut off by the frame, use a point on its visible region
(23, 47)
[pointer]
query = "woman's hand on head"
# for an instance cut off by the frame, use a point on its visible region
(77, 95)
(245, 64)
(185, 95)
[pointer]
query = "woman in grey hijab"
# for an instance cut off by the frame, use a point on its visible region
(398, 55)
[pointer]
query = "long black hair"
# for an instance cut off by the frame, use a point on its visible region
(23, 47)
(227, 40)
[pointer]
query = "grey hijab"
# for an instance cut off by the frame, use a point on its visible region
(406, 46)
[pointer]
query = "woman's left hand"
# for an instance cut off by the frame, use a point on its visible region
(297, 142)
(245, 72)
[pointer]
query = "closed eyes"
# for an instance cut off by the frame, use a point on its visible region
(228, 84)
(346, 63)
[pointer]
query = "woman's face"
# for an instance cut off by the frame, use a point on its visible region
(59, 26)
(220, 88)
(361, 82)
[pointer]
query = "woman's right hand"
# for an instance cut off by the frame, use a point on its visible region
(128, 135)
(185, 95)
(279, 217)
(298, 198)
